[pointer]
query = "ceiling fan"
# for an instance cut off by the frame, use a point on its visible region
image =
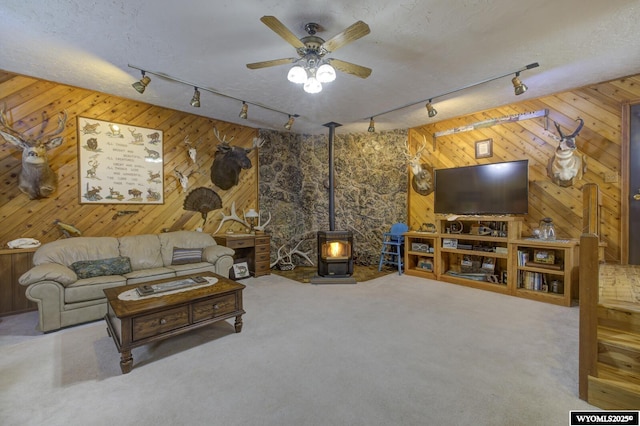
(312, 67)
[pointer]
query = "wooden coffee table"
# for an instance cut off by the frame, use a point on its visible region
(133, 323)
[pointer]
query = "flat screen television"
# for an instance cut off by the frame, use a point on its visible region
(484, 189)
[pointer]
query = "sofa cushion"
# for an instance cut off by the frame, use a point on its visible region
(91, 288)
(49, 272)
(143, 250)
(182, 256)
(182, 239)
(193, 268)
(69, 250)
(144, 275)
(101, 267)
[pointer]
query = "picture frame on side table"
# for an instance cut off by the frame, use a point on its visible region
(484, 148)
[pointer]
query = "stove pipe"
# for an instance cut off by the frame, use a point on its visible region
(332, 214)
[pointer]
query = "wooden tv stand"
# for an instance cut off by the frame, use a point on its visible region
(455, 255)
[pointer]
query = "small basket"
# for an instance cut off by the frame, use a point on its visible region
(286, 266)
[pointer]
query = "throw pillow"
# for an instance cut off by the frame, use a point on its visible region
(182, 256)
(96, 268)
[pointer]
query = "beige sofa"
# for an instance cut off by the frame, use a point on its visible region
(69, 275)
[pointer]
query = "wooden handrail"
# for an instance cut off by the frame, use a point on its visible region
(589, 289)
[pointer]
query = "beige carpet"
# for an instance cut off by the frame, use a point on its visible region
(395, 350)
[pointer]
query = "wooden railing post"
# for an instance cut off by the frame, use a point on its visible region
(589, 278)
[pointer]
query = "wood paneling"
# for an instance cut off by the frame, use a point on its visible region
(26, 98)
(599, 141)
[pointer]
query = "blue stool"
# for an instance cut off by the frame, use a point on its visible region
(392, 244)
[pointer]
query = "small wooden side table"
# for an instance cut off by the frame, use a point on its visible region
(255, 248)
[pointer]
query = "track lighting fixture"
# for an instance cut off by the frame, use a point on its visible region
(372, 126)
(195, 101)
(289, 123)
(431, 110)
(518, 86)
(197, 88)
(142, 83)
(244, 111)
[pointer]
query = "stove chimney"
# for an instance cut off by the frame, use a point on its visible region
(332, 214)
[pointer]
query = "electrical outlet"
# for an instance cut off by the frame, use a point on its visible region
(610, 177)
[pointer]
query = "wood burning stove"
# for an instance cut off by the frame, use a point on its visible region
(335, 257)
(335, 248)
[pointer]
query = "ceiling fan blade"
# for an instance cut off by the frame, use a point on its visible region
(349, 68)
(279, 28)
(354, 32)
(272, 63)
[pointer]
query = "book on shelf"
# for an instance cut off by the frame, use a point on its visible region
(523, 257)
(533, 281)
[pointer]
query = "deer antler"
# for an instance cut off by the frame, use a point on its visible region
(62, 121)
(224, 140)
(261, 227)
(5, 123)
(232, 216)
(418, 154)
(257, 143)
(287, 257)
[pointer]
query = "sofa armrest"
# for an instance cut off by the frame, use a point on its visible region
(49, 272)
(49, 296)
(212, 253)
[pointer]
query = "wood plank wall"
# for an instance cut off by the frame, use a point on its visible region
(600, 141)
(26, 98)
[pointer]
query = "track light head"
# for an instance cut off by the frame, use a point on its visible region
(372, 126)
(289, 123)
(431, 110)
(142, 83)
(518, 86)
(195, 101)
(244, 111)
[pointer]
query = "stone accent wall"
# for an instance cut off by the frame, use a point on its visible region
(370, 174)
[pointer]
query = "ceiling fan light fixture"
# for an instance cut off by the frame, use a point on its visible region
(372, 126)
(518, 86)
(312, 85)
(326, 73)
(297, 75)
(142, 83)
(244, 111)
(431, 109)
(195, 100)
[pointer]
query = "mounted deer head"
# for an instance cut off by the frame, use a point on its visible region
(565, 165)
(230, 160)
(37, 180)
(422, 181)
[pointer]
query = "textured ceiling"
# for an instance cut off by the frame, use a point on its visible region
(417, 50)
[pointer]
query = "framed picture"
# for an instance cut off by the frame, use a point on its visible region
(449, 243)
(119, 163)
(240, 270)
(489, 264)
(484, 148)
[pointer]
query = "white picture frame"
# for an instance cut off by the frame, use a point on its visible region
(241, 270)
(119, 163)
(484, 148)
